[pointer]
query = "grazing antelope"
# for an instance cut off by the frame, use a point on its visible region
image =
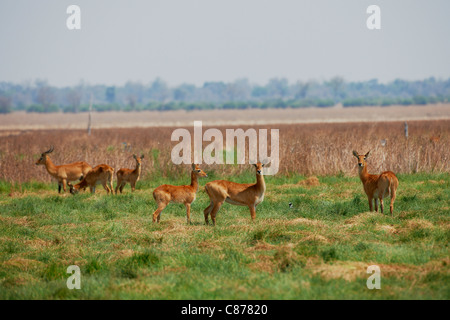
(66, 172)
(131, 176)
(100, 174)
(165, 194)
(377, 186)
(241, 194)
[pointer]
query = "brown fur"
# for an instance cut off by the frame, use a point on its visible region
(377, 186)
(165, 194)
(435, 139)
(64, 173)
(130, 176)
(241, 194)
(100, 174)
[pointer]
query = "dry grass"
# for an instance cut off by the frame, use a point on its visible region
(307, 149)
(310, 182)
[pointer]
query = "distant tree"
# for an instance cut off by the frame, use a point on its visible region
(39, 96)
(420, 100)
(131, 101)
(259, 92)
(135, 90)
(159, 90)
(180, 94)
(301, 89)
(184, 92)
(110, 94)
(337, 85)
(215, 91)
(5, 104)
(73, 98)
(46, 97)
(278, 88)
(238, 91)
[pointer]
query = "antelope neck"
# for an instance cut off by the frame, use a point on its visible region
(260, 182)
(194, 182)
(51, 168)
(363, 174)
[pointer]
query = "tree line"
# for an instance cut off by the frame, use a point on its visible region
(40, 96)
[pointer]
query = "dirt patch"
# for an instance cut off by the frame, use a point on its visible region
(350, 271)
(436, 182)
(261, 245)
(308, 222)
(22, 263)
(346, 270)
(125, 253)
(265, 263)
(315, 238)
(309, 182)
(135, 226)
(174, 227)
(361, 218)
(149, 289)
(414, 273)
(388, 229)
(23, 221)
(286, 257)
(38, 243)
(208, 244)
(415, 224)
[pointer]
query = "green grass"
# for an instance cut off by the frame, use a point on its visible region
(320, 249)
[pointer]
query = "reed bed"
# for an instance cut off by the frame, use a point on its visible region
(305, 149)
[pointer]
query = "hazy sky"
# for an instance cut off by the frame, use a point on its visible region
(195, 41)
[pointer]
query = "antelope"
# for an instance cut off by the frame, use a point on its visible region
(240, 194)
(66, 172)
(435, 139)
(165, 194)
(131, 176)
(377, 186)
(100, 174)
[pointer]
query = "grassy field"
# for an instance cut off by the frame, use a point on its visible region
(319, 249)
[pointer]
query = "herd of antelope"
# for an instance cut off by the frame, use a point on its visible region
(376, 187)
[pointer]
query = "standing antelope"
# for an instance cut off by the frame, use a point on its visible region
(66, 172)
(100, 174)
(129, 175)
(165, 194)
(377, 186)
(241, 194)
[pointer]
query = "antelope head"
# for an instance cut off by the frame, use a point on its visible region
(43, 157)
(138, 159)
(74, 189)
(259, 167)
(361, 158)
(198, 172)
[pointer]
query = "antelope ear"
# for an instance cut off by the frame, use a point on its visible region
(355, 153)
(366, 155)
(134, 156)
(193, 166)
(254, 164)
(142, 156)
